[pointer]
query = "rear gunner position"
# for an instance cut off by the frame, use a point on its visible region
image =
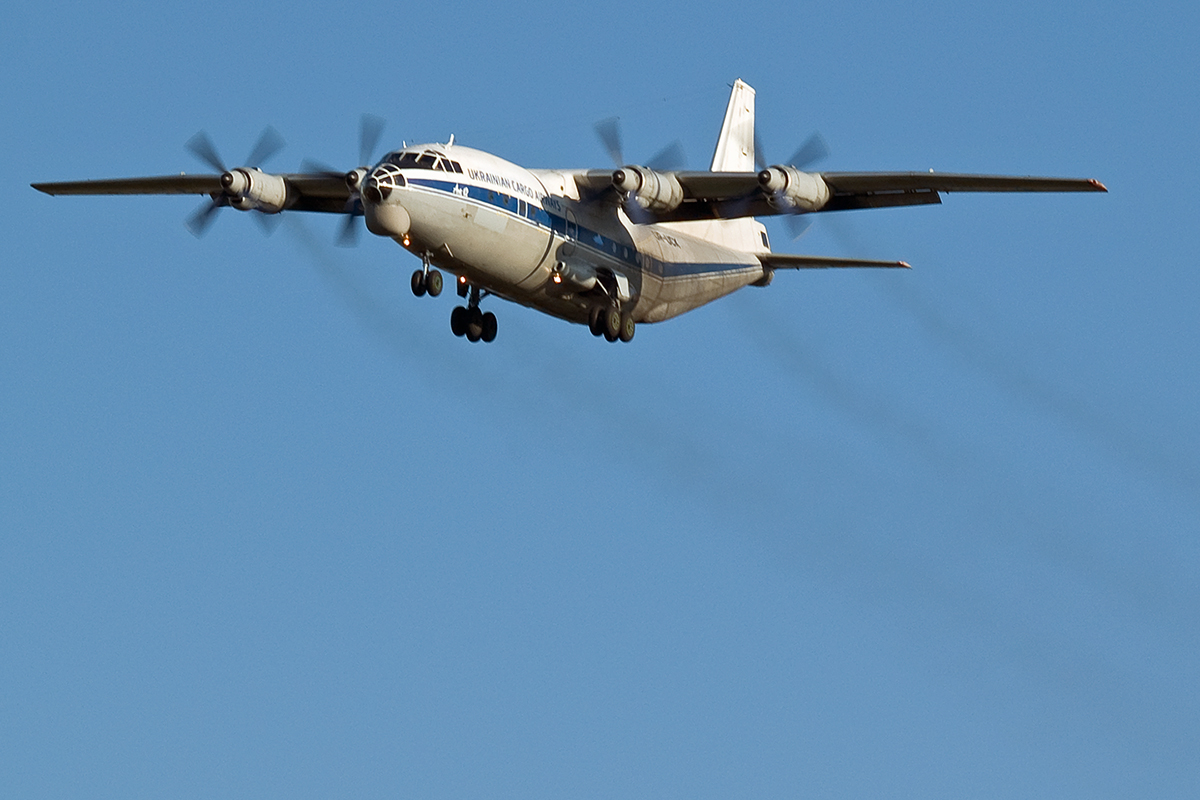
(609, 249)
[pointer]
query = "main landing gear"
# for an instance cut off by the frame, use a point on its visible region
(611, 323)
(469, 321)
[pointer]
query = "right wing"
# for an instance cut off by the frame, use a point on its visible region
(729, 195)
(304, 191)
(881, 189)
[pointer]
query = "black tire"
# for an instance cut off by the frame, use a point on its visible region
(489, 327)
(433, 283)
(612, 324)
(474, 325)
(418, 283)
(458, 321)
(595, 315)
(628, 328)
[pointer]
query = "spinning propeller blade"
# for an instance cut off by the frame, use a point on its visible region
(670, 159)
(348, 235)
(370, 129)
(813, 150)
(202, 148)
(269, 143)
(203, 217)
(609, 131)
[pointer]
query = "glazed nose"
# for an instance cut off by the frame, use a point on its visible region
(375, 191)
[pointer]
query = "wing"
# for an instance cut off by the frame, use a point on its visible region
(304, 191)
(729, 195)
(882, 189)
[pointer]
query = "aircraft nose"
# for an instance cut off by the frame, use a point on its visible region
(384, 218)
(378, 186)
(374, 191)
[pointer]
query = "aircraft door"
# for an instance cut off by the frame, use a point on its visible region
(572, 233)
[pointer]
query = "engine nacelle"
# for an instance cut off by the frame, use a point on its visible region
(789, 189)
(653, 191)
(354, 178)
(252, 189)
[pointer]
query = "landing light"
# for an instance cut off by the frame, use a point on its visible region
(557, 278)
(406, 241)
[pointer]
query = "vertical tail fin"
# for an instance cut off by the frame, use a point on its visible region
(735, 145)
(734, 153)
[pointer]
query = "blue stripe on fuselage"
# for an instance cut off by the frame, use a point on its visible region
(531, 213)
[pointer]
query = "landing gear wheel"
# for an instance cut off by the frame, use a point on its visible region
(488, 333)
(474, 325)
(458, 320)
(612, 324)
(433, 283)
(418, 283)
(595, 319)
(628, 327)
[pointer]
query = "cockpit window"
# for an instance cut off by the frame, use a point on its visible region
(424, 161)
(403, 160)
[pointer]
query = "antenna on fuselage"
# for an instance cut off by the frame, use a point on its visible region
(451, 142)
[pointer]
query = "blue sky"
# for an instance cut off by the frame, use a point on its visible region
(268, 530)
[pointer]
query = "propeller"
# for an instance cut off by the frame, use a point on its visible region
(370, 130)
(269, 143)
(670, 159)
(609, 131)
(813, 150)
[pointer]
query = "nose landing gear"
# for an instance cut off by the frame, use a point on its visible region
(426, 279)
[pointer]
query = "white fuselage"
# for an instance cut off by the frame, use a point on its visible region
(526, 236)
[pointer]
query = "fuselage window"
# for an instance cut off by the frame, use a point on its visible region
(766, 244)
(426, 161)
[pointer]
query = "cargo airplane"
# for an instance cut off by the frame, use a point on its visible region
(609, 249)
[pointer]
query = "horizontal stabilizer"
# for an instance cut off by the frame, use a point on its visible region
(788, 261)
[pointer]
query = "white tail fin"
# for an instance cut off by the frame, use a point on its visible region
(735, 146)
(734, 153)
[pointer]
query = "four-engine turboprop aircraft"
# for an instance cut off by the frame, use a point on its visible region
(606, 248)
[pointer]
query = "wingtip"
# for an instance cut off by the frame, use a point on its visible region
(904, 264)
(1097, 185)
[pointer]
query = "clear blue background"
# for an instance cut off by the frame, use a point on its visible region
(270, 531)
